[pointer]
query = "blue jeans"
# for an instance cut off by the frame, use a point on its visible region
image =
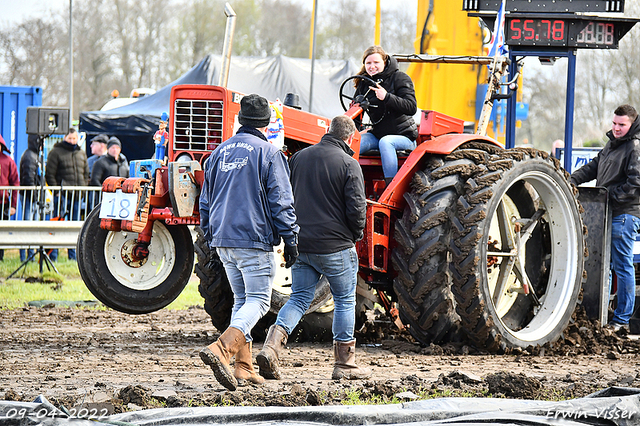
(623, 236)
(341, 270)
(250, 273)
(387, 145)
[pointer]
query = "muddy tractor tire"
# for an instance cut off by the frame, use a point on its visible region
(218, 298)
(423, 284)
(134, 287)
(491, 243)
(518, 248)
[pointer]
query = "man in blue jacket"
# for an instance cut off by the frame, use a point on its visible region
(246, 207)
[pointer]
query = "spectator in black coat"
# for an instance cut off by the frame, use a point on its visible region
(29, 176)
(67, 166)
(114, 163)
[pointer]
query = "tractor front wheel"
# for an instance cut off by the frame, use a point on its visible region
(126, 283)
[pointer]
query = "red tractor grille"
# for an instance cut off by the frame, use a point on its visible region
(198, 125)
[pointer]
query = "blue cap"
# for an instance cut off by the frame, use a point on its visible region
(164, 117)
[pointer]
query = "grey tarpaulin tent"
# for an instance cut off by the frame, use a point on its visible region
(271, 77)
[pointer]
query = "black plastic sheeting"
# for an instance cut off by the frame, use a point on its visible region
(271, 77)
(612, 406)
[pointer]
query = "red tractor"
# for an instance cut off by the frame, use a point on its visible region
(468, 237)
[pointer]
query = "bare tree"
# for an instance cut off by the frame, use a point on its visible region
(544, 91)
(153, 42)
(347, 29)
(34, 55)
(93, 61)
(283, 30)
(398, 31)
(139, 37)
(597, 92)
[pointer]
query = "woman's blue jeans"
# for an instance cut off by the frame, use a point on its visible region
(341, 270)
(624, 230)
(250, 273)
(387, 145)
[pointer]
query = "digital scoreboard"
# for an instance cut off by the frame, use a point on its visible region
(561, 30)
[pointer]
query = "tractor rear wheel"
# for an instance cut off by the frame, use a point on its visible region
(490, 242)
(423, 283)
(131, 286)
(517, 248)
(218, 297)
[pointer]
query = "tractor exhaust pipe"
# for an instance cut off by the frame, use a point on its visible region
(228, 43)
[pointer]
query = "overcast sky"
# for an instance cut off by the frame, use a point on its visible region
(14, 11)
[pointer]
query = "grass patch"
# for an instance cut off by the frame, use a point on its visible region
(357, 397)
(29, 285)
(189, 296)
(16, 293)
(11, 262)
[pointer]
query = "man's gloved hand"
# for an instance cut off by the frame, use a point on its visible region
(290, 255)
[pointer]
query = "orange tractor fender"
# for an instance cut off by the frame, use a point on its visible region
(393, 196)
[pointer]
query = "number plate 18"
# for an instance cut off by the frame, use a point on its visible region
(118, 205)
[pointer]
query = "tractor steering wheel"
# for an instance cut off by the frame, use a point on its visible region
(360, 99)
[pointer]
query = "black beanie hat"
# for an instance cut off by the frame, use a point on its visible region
(254, 111)
(114, 141)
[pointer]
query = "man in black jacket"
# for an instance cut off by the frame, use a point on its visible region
(30, 176)
(329, 199)
(67, 166)
(617, 167)
(113, 163)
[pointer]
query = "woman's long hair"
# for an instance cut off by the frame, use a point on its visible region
(370, 51)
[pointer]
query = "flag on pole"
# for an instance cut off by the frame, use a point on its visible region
(498, 47)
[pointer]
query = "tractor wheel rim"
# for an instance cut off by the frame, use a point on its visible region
(144, 274)
(562, 277)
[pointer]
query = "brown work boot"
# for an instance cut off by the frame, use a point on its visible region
(218, 356)
(244, 367)
(345, 362)
(267, 359)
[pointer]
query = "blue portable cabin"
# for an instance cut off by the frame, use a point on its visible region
(14, 101)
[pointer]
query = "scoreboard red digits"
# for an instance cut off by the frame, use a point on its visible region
(565, 31)
(533, 31)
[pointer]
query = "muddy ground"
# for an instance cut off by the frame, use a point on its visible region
(120, 362)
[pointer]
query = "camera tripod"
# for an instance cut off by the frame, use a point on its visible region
(44, 258)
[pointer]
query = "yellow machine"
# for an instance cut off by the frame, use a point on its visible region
(445, 29)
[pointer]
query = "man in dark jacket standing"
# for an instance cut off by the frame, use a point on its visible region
(67, 166)
(113, 163)
(246, 207)
(29, 176)
(67, 163)
(617, 167)
(330, 203)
